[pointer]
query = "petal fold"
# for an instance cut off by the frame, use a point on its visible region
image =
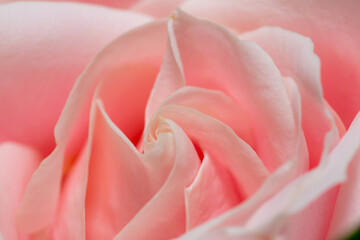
(17, 163)
(294, 56)
(120, 181)
(212, 193)
(71, 130)
(332, 25)
(163, 217)
(246, 73)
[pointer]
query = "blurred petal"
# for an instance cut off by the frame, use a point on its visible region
(120, 181)
(124, 92)
(17, 163)
(109, 3)
(332, 25)
(42, 53)
(156, 8)
(346, 216)
(70, 219)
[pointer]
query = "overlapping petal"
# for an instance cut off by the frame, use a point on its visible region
(295, 166)
(244, 72)
(346, 217)
(44, 48)
(120, 180)
(212, 193)
(252, 112)
(71, 129)
(297, 196)
(163, 217)
(280, 215)
(294, 56)
(156, 8)
(170, 77)
(17, 163)
(69, 219)
(332, 25)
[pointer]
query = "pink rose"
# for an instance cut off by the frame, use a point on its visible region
(180, 127)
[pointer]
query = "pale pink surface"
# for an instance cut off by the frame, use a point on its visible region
(324, 205)
(332, 25)
(70, 131)
(168, 203)
(347, 210)
(42, 53)
(17, 164)
(239, 215)
(121, 181)
(244, 72)
(69, 222)
(256, 112)
(236, 163)
(109, 3)
(156, 8)
(294, 55)
(170, 77)
(228, 150)
(292, 208)
(202, 204)
(307, 188)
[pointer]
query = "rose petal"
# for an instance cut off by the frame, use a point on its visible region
(169, 79)
(222, 145)
(293, 55)
(307, 188)
(110, 3)
(120, 180)
(124, 92)
(212, 193)
(332, 25)
(70, 219)
(338, 122)
(41, 56)
(278, 214)
(17, 164)
(214, 104)
(294, 167)
(346, 216)
(70, 132)
(201, 207)
(246, 73)
(156, 8)
(163, 217)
